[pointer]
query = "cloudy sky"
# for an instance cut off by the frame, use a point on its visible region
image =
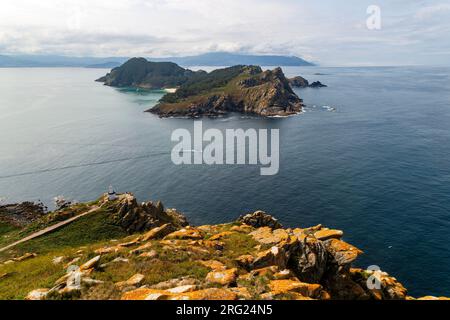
(329, 32)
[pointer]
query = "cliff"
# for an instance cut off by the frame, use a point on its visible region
(127, 250)
(243, 89)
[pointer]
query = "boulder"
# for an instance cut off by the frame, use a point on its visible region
(224, 277)
(214, 265)
(142, 248)
(26, 256)
(107, 250)
(149, 255)
(260, 219)
(272, 257)
(341, 252)
(242, 293)
(185, 233)
(266, 235)
(286, 286)
(134, 281)
(58, 260)
(90, 264)
(145, 294)
(207, 294)
(158, 232)
(284, 275)
(173, 283)
(38, 294)
(245, 261)
(327, 234)
(182, 289)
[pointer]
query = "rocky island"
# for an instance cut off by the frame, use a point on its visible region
(140, 73)
(300, 82)
(117, 248)
(244, 89)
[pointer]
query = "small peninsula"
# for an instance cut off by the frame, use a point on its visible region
(241, 88)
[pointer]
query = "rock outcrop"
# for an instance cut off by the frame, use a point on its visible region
(21, 214)
(260, 219)
(134, 217)
(300, 82)
(317, 84)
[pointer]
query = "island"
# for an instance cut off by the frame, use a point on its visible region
(300, 82)
(140, 73)
(117, 247)
(242, 88)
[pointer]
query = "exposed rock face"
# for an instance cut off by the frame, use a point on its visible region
(310, 261)
(299, 82)
(251, 91)
(317, 84)
(260, 219)
(138, 72)
(135, 217)
(21, 214)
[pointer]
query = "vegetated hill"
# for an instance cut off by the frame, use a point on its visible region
(133, 251)
(138, 72)
(244, 89)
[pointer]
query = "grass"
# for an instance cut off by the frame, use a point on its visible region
(6, 228)
(89, 229)
(22, 277)
(15, 234)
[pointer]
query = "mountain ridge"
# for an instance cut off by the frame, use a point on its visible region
(214, 59)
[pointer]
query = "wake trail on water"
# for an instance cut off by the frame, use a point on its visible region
(90, 164)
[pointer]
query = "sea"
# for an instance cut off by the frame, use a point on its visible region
(369, 155)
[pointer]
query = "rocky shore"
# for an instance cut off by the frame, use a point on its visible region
(161, 257)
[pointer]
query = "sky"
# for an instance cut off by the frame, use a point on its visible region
(328, 32)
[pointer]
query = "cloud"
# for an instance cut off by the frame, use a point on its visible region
(326, 31)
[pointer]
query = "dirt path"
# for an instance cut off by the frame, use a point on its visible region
(49, 229)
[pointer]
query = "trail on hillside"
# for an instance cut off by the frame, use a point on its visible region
(49, 229)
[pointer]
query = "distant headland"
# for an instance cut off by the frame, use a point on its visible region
(215, 59)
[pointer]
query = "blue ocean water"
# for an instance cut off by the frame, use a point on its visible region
(377, 166)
